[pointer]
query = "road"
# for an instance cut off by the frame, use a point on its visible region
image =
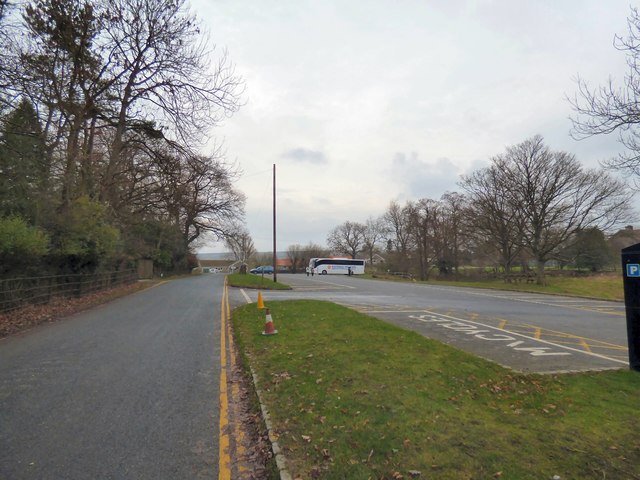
(133, 389)
(128, 390)
(524, 331)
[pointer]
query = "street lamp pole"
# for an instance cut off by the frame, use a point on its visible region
(275, 262)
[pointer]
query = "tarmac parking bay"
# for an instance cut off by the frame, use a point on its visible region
(524, 332)
(512, 349)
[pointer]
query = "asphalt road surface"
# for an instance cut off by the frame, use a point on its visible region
(524, 331)
(128, 390)
(131, 389)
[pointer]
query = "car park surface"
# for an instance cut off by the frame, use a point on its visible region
(524, 331)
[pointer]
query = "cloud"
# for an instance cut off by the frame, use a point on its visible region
(422, 179)
(303, 155)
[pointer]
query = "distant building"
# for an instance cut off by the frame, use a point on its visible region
(377, 259)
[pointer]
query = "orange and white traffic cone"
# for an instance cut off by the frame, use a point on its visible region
(260, 301)
(269, 327)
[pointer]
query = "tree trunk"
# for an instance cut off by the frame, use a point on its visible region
(540, 272)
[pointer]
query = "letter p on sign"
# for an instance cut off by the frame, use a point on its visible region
(633, 270)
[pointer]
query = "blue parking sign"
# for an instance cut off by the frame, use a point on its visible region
(633, 270)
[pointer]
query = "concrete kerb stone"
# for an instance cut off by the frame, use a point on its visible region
(281, 462)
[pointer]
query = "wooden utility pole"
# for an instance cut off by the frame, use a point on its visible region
(275, 259)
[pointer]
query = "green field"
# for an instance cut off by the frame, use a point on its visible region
(354, 397)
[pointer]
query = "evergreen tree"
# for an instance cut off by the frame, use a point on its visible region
(24, 170)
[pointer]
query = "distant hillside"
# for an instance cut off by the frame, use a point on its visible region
(215, 256)
(229, 255)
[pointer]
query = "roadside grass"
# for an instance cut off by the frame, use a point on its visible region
(351, 396)
(600, 286)
(255, 281)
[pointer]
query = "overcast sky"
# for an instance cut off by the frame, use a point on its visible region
(362, 102)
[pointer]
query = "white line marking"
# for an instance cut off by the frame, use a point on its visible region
(539, 301)
(336, 284)
(246, 297)
(530, 338)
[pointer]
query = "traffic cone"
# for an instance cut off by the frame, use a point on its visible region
(269, 327)
(260, 301)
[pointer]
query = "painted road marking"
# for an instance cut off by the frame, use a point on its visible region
(485, 332)
(224, 455)
(337, 284)
(588, 344)
(244, 294)
(596, 306)
(475, 329)
(536, 332)
(235, 393)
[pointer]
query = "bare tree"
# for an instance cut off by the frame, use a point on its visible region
(614, 108)
(61, 73)
(347, 239)
(161, 77)
(454, 229)
(125, 92)
(373, 234)
(209, 199)
(240, 243)
(7, 55)
(555, 197)
(397, 225)
(313, 250)
(494, 220)
(396, 221)
(426, 230)
(295, 253)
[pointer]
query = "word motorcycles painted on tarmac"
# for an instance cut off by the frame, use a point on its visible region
(484, 332)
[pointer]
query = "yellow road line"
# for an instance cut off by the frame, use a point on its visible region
(585, 345)
(549, 332)
(620, 347)
(235, 393)
(503, 323)
(224, 460)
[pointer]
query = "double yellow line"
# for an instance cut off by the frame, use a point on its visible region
(231, 435)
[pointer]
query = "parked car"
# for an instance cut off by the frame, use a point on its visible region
(262, 269)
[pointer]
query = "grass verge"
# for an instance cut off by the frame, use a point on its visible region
(354, 397)
(602, 286)
(255, 281)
